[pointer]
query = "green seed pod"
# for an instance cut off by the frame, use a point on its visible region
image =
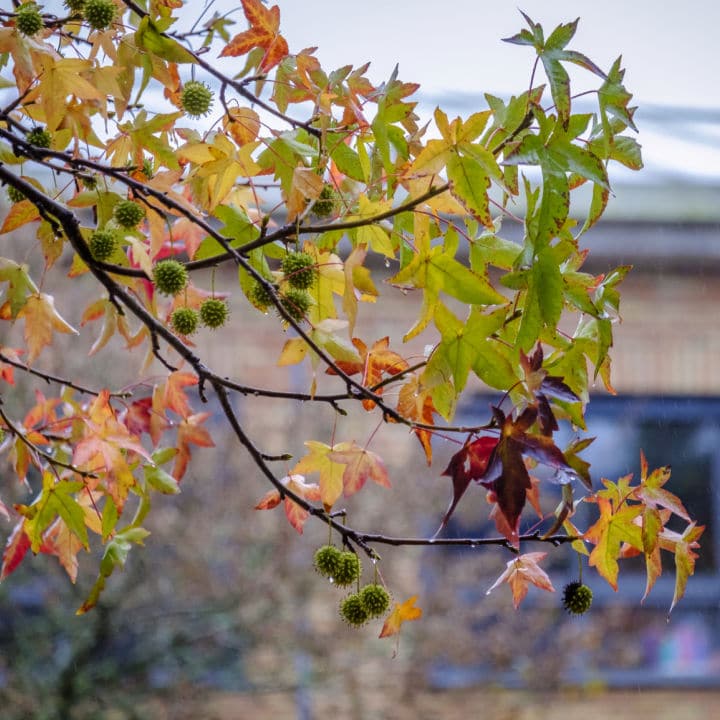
(299, 269)
(102, 244)
(99, 14)
(352, 610)
(196, 98)
(327, 560)
(28, 20)
(348, 569)
(184, 321)
(214, 313)
(170, 277)
(577, 598)
(296, 303)
(375, 599)
(128, 214)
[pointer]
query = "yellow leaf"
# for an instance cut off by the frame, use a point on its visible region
(41, 319)
(401, 612)
(293, 352)
(331, 473)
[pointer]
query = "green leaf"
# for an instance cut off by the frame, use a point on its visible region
(160, 480)
(55, 499)
(470, 184)
(149, 38)
(447, 274)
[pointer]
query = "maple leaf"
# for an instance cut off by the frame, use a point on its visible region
(373, 364)
(507, 475)
(264, 32)
(16, 548)
(190, 431)
(7, 370)
(401, 613)
(360, 465)
(685, 559)
(41, 319)
(615, 526)
(59, 540)
(416, 404)
(520, 572)
(331, 472)
(295, 514)
(102, 448)
(469, 463)
(651, 492)
(56, 499)
(174, 398)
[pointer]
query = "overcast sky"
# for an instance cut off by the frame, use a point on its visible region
(670, 48)
(454, 50)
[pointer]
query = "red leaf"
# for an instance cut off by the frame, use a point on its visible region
(469, 463)
(15, 549)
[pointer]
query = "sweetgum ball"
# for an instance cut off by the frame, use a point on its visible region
(170, 277)
(353, 611)
(577, 598)
(99, 14)
(28, 20)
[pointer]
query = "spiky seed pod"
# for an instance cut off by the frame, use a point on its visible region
(99, 14)
(89, 181)
(75, 6)
(28, 20)
(348, 569)
(170, 277)
(327, 560)
(325, 204)
(375, 599)
(147, 168)
(352, 610)
(196, 98)
(299, 269)
(296, 303)
(184, 320)
(14, 194)
(260, 296)
(102, 244)
(214, 313)
(39, 137)
(577, 598)
(128, 214)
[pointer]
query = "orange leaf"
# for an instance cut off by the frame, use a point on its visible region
(416, 404)
(174, 397)
(62, 542)
(520, 572)
(401, 612)
(41, 319)
(190, 431)
(295, 514)
(360, 465)
(263, 32)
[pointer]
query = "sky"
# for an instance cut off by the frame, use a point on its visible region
(454, 50)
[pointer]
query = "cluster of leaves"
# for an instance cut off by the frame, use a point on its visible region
(99, 114)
